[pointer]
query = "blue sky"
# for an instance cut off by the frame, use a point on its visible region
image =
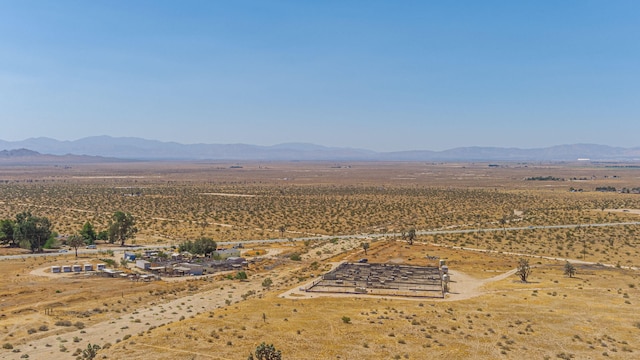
(381, 75)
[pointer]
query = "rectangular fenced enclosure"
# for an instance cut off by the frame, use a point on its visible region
(381, 279)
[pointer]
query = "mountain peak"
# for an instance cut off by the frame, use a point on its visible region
(18, 153)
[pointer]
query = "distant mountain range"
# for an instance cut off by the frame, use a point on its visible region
(106, 148)
(30, 157)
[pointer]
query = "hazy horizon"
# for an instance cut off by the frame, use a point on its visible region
(381, 76)
(308, 143)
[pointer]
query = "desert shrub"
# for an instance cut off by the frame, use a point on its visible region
(295, 257)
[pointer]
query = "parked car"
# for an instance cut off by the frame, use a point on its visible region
(92, 246)
(63, 250)
(363, 260)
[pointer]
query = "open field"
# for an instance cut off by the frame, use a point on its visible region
(489, 313)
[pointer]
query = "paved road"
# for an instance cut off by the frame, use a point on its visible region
(327, 237)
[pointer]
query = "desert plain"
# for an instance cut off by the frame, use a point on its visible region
(480, 218)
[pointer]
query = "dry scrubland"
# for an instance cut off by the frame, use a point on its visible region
(552, 316)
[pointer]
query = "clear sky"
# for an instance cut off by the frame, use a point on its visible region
(381, 75)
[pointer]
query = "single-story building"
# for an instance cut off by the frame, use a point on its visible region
(111, 272)
(189, 269)
(143, 264)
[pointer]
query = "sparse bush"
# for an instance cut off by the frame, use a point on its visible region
(295, 257)
(265, 352)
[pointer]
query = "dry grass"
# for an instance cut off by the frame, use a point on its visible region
(590, 316)
(544, 318)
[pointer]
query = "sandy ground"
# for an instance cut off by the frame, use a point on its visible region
(141, 319)
(138, 320)
(162, 313)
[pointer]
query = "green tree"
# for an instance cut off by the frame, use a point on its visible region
(266, 283)
(88, 233)
(411, 235)
(202, 246)
(569, 269)
(365, 246)
(266, 352)
(75, 241)
(524, 269)
(103, 235)
(186, 246)
(205, 246)
(122, 227)
(6, 232)
(52, 242)
(31, 231)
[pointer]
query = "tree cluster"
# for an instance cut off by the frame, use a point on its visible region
(35, 232)
(27, 231)
(203, 246)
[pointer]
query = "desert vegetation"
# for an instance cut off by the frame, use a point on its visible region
(483, 220)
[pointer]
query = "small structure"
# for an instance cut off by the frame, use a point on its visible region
(77, 268)
(157, 268)
(66, 268)
(150, 253)
(101, 267)
(111, 273)
(189, 269)
(148, 277)
(88, 267)
(55, 269)
(143, 264)
(235, 260)
(129, 256)
(195, 269)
